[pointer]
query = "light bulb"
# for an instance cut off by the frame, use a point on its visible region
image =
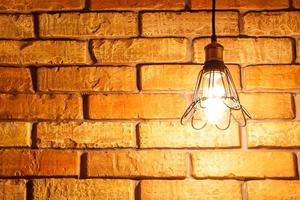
(214, 94)
(215, 110)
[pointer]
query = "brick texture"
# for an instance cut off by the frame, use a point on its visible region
(19, 163)
(172, 134)
(15, 134)
(16, 26)
(15, 80)
(296, 3)
(243, 164)
(37, 5)
(40, 106)
(250, 50)
(263, 190)
(83, 189)
(126, 106)
(85, 79)
(267, 77)
(92, 92)
(258, 104)
(140, 50)
(241, 4)
(13, 189)
(88, 25)
(85, 134)
(161, 77)
(188, 23)
(191, 189)
(273, 134)
(137, 5)
(272, 23)
(137, 164)
(43, 52)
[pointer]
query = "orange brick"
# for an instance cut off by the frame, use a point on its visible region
(296, 4)
(86, 79)
(16, 26)
(118, 163)
(241, 4)
(15, 80)
(15, 134)
(126, 106)
(273, 189)
(191, 189)
(85, 134)
(188, 23)
(40, 106)
(37, 5)
(140, 50)
(43, 52)
(172, 134)
(38, 163)
(83, 189)
(259, 106)
(249, 50)
(272, 23)
(273, 134)
(137, 5)
(13, 189)
(87, 25)
(243, 164)
(267, 76)
(161, 77)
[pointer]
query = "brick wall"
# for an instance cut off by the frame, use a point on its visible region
(92, 92)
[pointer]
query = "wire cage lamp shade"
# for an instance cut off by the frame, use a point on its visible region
(215, 98)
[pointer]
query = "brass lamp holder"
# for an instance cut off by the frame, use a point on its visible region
(213, 57)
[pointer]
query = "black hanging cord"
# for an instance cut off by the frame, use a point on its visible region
(213, 22)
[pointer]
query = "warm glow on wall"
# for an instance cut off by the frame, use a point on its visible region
(92, 93)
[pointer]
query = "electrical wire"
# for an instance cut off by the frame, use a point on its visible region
(213, 22)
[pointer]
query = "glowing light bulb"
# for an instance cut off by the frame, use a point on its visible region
(214, 106)
(215, 110)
